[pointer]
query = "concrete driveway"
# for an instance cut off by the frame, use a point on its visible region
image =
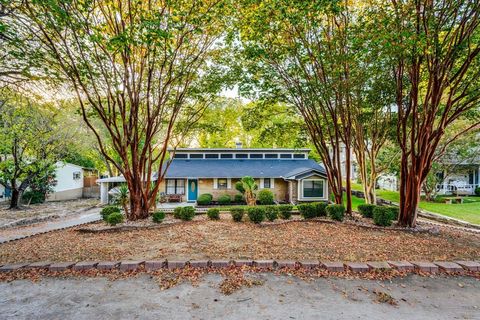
(280, 297)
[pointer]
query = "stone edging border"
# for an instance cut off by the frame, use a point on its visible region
(458, 267)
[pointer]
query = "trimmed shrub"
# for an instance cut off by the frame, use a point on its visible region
(177, 212)
(285, 211)
(205, 199)
(336, 211)
(224, 199)
(271, 213)
(394, 212)
(213, 214)
(320, 208)
(106, 211)
(307, 210)
(366, 210)
(187, 213)
(238, 198)
(33, 197)
(477, 191)
(114, 218)
(237, 214)
(158, 216)
(382, 216)
(256, 214)
(265, 197)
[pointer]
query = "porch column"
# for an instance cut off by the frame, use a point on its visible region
(104, 192)
(444, 191)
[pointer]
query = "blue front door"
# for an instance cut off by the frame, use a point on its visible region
(192, 189)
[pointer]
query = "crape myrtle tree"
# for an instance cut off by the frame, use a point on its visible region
(437, 68)
(305, 52)
(138, 68)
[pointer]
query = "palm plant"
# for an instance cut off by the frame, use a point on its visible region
(249, 186)
(123, 198)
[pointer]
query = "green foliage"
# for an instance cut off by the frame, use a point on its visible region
(320, 208)
(249, 186)
(115, 218)
(187, 213)
(256, 214)
(307, 210)
(224, 199)
(271, 213)
(382, 216)
(336, 211)
(213, 214)
(265, 197)
(237, 214)
(394, 212)
(477, 191)
(238, 198)
(177, 212)
(366, 210)
(106, 211)
(204, 199)
(285, 211)
(239, 187)
(158, 216)
(33, 197)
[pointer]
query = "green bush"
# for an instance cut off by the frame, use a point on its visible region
(187, 213)
(177, 212)
(205, 199)
(336, 211)
(265, 197)
(237, 214)
(366, 210)
(285, 211)
(307, 210)
(382, 216)
(238, 198)
(271, 213)
(213, 214)
(114, 218)
(158, 216)
(106, 211)
(320, 208)
(224, 199)
(394, 212)
(33, 197)
(256, 214)
(477, 191)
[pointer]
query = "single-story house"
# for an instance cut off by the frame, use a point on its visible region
(73, 182)
(288, 173)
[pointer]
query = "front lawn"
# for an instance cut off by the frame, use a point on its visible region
(468, 211)
(225, 239)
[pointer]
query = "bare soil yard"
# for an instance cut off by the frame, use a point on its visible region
(51, 210)
(205, 239)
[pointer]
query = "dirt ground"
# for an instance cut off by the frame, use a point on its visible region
(54, 209)
(279, 297)
(225, 239)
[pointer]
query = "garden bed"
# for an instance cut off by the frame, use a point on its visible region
(222, 239)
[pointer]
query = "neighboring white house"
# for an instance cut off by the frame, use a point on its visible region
(68, 182)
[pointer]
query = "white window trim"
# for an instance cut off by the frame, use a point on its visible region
(215, 183)
(300, 189)
(262, 183)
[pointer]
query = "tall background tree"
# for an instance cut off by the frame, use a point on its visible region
(137, 67)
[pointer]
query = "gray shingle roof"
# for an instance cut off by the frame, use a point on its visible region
(211, 168)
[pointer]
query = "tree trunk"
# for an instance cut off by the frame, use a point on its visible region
(348, 182)
(14, 201)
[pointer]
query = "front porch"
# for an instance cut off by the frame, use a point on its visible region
(461, 182)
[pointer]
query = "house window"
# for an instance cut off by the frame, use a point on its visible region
(222, 184)
(181, 156)
(285, 156)
(175, 186)
(211, 156)
(226, 156)
(77, 175)
(256, 156)
(267, 183)
(196, 155)
(313, 188)
(299, 156)
(271, 156)
(241, 156)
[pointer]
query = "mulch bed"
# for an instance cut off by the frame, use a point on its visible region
(205, 239)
